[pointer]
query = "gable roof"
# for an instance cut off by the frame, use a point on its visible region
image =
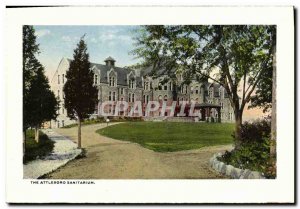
(121, 74)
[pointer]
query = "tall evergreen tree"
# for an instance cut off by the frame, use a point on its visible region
(80, 93)
(42, 103)
(30, 65)
(39, 102)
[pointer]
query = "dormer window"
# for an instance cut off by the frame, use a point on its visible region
(112, 81)
(146, 85)
(211, 92)
(131, 84)
(63, 78)
(95, 79)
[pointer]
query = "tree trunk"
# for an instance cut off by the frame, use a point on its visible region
(79, 133)
(273, 114)
(24, 144)
(36, 134)
(238, 128)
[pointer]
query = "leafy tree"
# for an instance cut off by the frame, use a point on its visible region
(80, 94)
(42, 103)
(236, 57)
(39, 102)
(30, 64)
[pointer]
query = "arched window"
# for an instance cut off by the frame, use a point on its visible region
(211, 92)
(95, 79)
(131, 83)
(197, 90)
(109, 96)
(160, 98)
(165, 98)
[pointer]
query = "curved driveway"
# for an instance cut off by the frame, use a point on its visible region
(108, 158)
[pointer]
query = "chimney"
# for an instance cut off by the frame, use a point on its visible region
(110, 62)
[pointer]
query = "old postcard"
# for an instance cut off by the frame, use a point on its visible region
(150, 104)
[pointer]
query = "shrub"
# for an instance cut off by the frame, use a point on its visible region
(254, 151)
(36, 150)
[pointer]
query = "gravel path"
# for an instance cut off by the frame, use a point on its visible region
(64, 151)
(108, 158)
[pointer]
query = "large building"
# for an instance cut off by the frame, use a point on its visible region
(124, 84)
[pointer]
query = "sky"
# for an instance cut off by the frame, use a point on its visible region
(56, 42)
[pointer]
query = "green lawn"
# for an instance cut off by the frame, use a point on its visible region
(34, 149)
(171, 136)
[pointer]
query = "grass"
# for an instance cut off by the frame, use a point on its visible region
(171, 136)
(34, 149)
(103, 120)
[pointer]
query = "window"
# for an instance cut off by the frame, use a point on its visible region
(58, 94)
(109, 96)
(63, 110)
(211, 93)
(186, 89)
(63, 78)
(58, 79)
(160, 98)
(147, 99)
(197, 90)
(122, 90)
(114, 96)
(129, 97)
(132, 98)
(222, 105)
(95, 79)
(112, 81)
(159, 87)
(146, 85)
(165, 87)
(221, 91)
(131, 83)
(170, 86)
(62, 123)
(144, 98)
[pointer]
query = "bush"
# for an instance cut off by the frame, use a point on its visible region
(36, 150)
(254, 150)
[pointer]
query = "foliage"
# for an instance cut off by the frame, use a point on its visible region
(42, 104)
(235, 56)
(39, 102)
(171, 136)
(80, 94)
(35, 149)
(254, 152)
(30, 64)
(263, 94)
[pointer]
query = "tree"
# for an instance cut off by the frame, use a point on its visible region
(30, 64)
(263, 93)
(80, 93)
(36, 89)
(274, 99)
(236, 57)
(42, 104)
(39, 102)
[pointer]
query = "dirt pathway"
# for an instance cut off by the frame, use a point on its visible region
(108, 158)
